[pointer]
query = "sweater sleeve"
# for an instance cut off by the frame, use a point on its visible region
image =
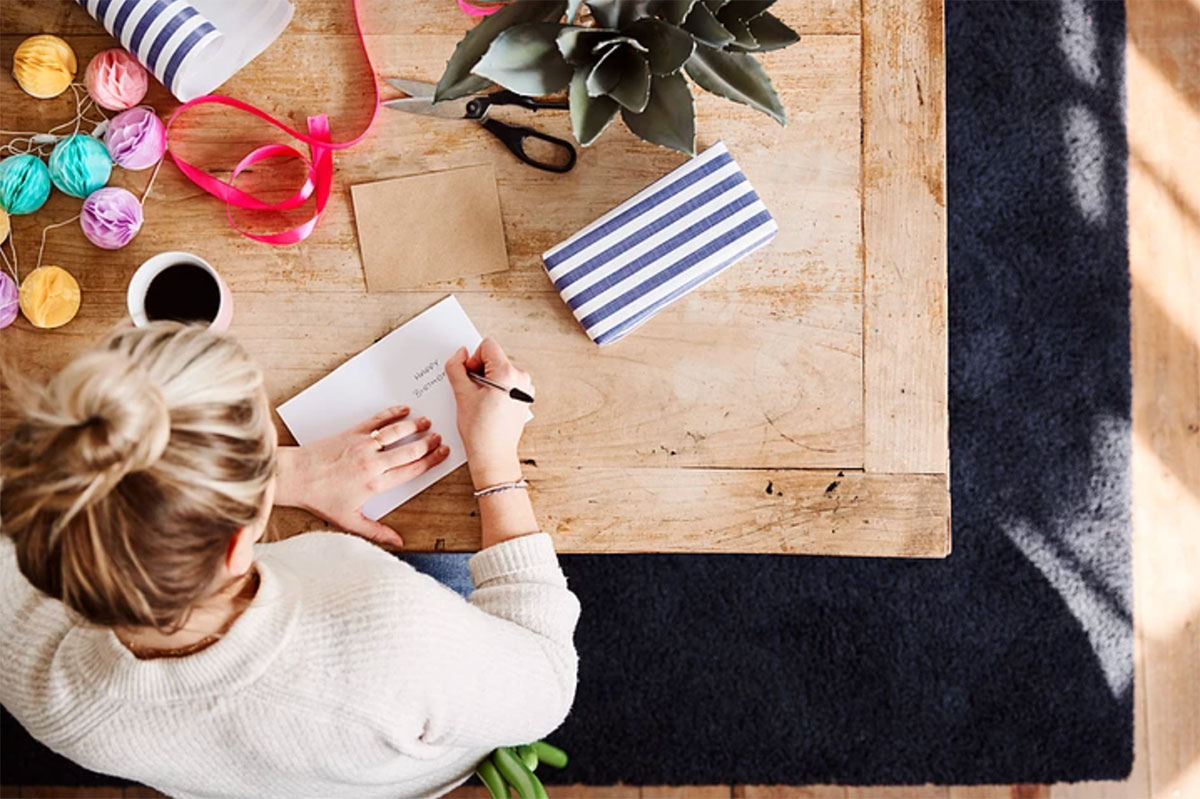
(512, 650)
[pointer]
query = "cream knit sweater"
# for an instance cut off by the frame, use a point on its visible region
(350, 674)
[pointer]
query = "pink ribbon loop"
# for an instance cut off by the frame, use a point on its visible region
(478, 11)
(318, 164)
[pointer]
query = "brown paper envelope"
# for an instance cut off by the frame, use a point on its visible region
(424, 228)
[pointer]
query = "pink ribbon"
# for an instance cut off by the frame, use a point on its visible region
(478, 11)
(319, 161)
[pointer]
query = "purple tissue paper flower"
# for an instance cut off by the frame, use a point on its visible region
(110, 217)
(136, 139)
(9, 300)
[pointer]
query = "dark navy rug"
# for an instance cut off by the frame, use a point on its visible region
(1012, 660)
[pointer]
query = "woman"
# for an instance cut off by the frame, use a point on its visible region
(146, 635)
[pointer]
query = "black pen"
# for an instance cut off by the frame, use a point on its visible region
(514, 392)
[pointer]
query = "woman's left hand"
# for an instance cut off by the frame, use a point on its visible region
(333, 477)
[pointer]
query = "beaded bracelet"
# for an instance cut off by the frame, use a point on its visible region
(501, 487)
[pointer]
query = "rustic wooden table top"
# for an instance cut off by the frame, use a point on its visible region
(797, 403)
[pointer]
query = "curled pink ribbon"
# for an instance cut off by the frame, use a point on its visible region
(478, 11)
(319, 161)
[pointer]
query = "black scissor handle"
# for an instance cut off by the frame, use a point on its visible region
(478, 107)
(514, 137)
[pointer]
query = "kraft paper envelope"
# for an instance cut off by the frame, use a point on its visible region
(432, 227)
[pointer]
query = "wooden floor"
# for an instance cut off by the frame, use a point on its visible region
(1164, 128)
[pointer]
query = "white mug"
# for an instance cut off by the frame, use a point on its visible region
(135, 298)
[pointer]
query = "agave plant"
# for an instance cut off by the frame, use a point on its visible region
(632, 58)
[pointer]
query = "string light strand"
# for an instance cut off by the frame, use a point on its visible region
(11, 266)
(46, 229)
(29, 141)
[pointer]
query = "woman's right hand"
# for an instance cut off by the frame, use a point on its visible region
(489, 421)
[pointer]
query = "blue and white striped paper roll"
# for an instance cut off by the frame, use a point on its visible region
(192, 47)
(658, 245)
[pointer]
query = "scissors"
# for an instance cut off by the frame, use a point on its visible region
(420, 101)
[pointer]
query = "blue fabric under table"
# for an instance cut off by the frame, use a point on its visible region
(448, 568)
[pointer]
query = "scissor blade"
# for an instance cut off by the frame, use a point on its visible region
(413, 88)
(450, 109)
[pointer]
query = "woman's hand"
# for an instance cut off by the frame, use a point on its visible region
(333, 477)
(489, 421)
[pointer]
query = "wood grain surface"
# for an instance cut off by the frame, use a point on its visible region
(1163, 74)
(904, 230)
(757, 373)
(808, 173)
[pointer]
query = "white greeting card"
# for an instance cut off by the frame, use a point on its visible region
(405, 367)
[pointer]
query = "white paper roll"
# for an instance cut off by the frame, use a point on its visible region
(192, 47)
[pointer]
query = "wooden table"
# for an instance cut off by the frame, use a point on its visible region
(795, 404)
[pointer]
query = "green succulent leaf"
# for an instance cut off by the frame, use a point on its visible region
(704, 26)
(669, 47)
(525, 59)
(576, 43)
(589, 115)
(622, 74)
(771, 33)
(735, 76)
(619, 13)
(629, 40)
(715, 5)
(457, 80)
(742, 38)
(674, 11)
(669, 118)
(743, 10)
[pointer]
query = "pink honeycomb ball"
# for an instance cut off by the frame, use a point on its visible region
(116, 80)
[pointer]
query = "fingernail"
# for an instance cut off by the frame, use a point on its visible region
(423, 423)
(437, 439)
(443, 451)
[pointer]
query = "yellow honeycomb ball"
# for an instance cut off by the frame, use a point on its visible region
(4, 225)
(49, 297)
(44, 66)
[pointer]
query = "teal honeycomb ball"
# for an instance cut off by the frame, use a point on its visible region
(79, 165)
(24, 184)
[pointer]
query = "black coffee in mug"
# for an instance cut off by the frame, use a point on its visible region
(183, 292)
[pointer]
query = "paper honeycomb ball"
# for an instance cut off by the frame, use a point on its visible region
(110, 217)
(136, 139)
(79, 165)
(44, 66)
(115, 79)
(8, 300)
(49, 297)
(24, 184)
(5, 226)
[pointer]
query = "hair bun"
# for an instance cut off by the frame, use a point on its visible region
(113, 415)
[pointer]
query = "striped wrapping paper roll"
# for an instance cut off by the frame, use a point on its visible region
(660, 244)
(192, 47)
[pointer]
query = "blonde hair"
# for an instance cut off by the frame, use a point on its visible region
(129, 473)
